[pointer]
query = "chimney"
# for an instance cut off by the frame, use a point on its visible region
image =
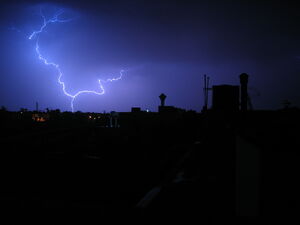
(162, 99)
(244, 91)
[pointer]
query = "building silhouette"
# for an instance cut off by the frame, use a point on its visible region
(225, 98)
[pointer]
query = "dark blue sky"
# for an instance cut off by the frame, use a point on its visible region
(163, 46)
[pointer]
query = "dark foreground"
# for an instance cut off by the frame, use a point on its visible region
(174, 169)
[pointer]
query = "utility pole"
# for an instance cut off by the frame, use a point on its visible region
(205, 92)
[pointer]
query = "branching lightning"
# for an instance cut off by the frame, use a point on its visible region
(35, 35)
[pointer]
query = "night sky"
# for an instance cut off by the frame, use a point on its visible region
(162, 46)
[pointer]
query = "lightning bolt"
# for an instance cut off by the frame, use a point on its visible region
(36, 35)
